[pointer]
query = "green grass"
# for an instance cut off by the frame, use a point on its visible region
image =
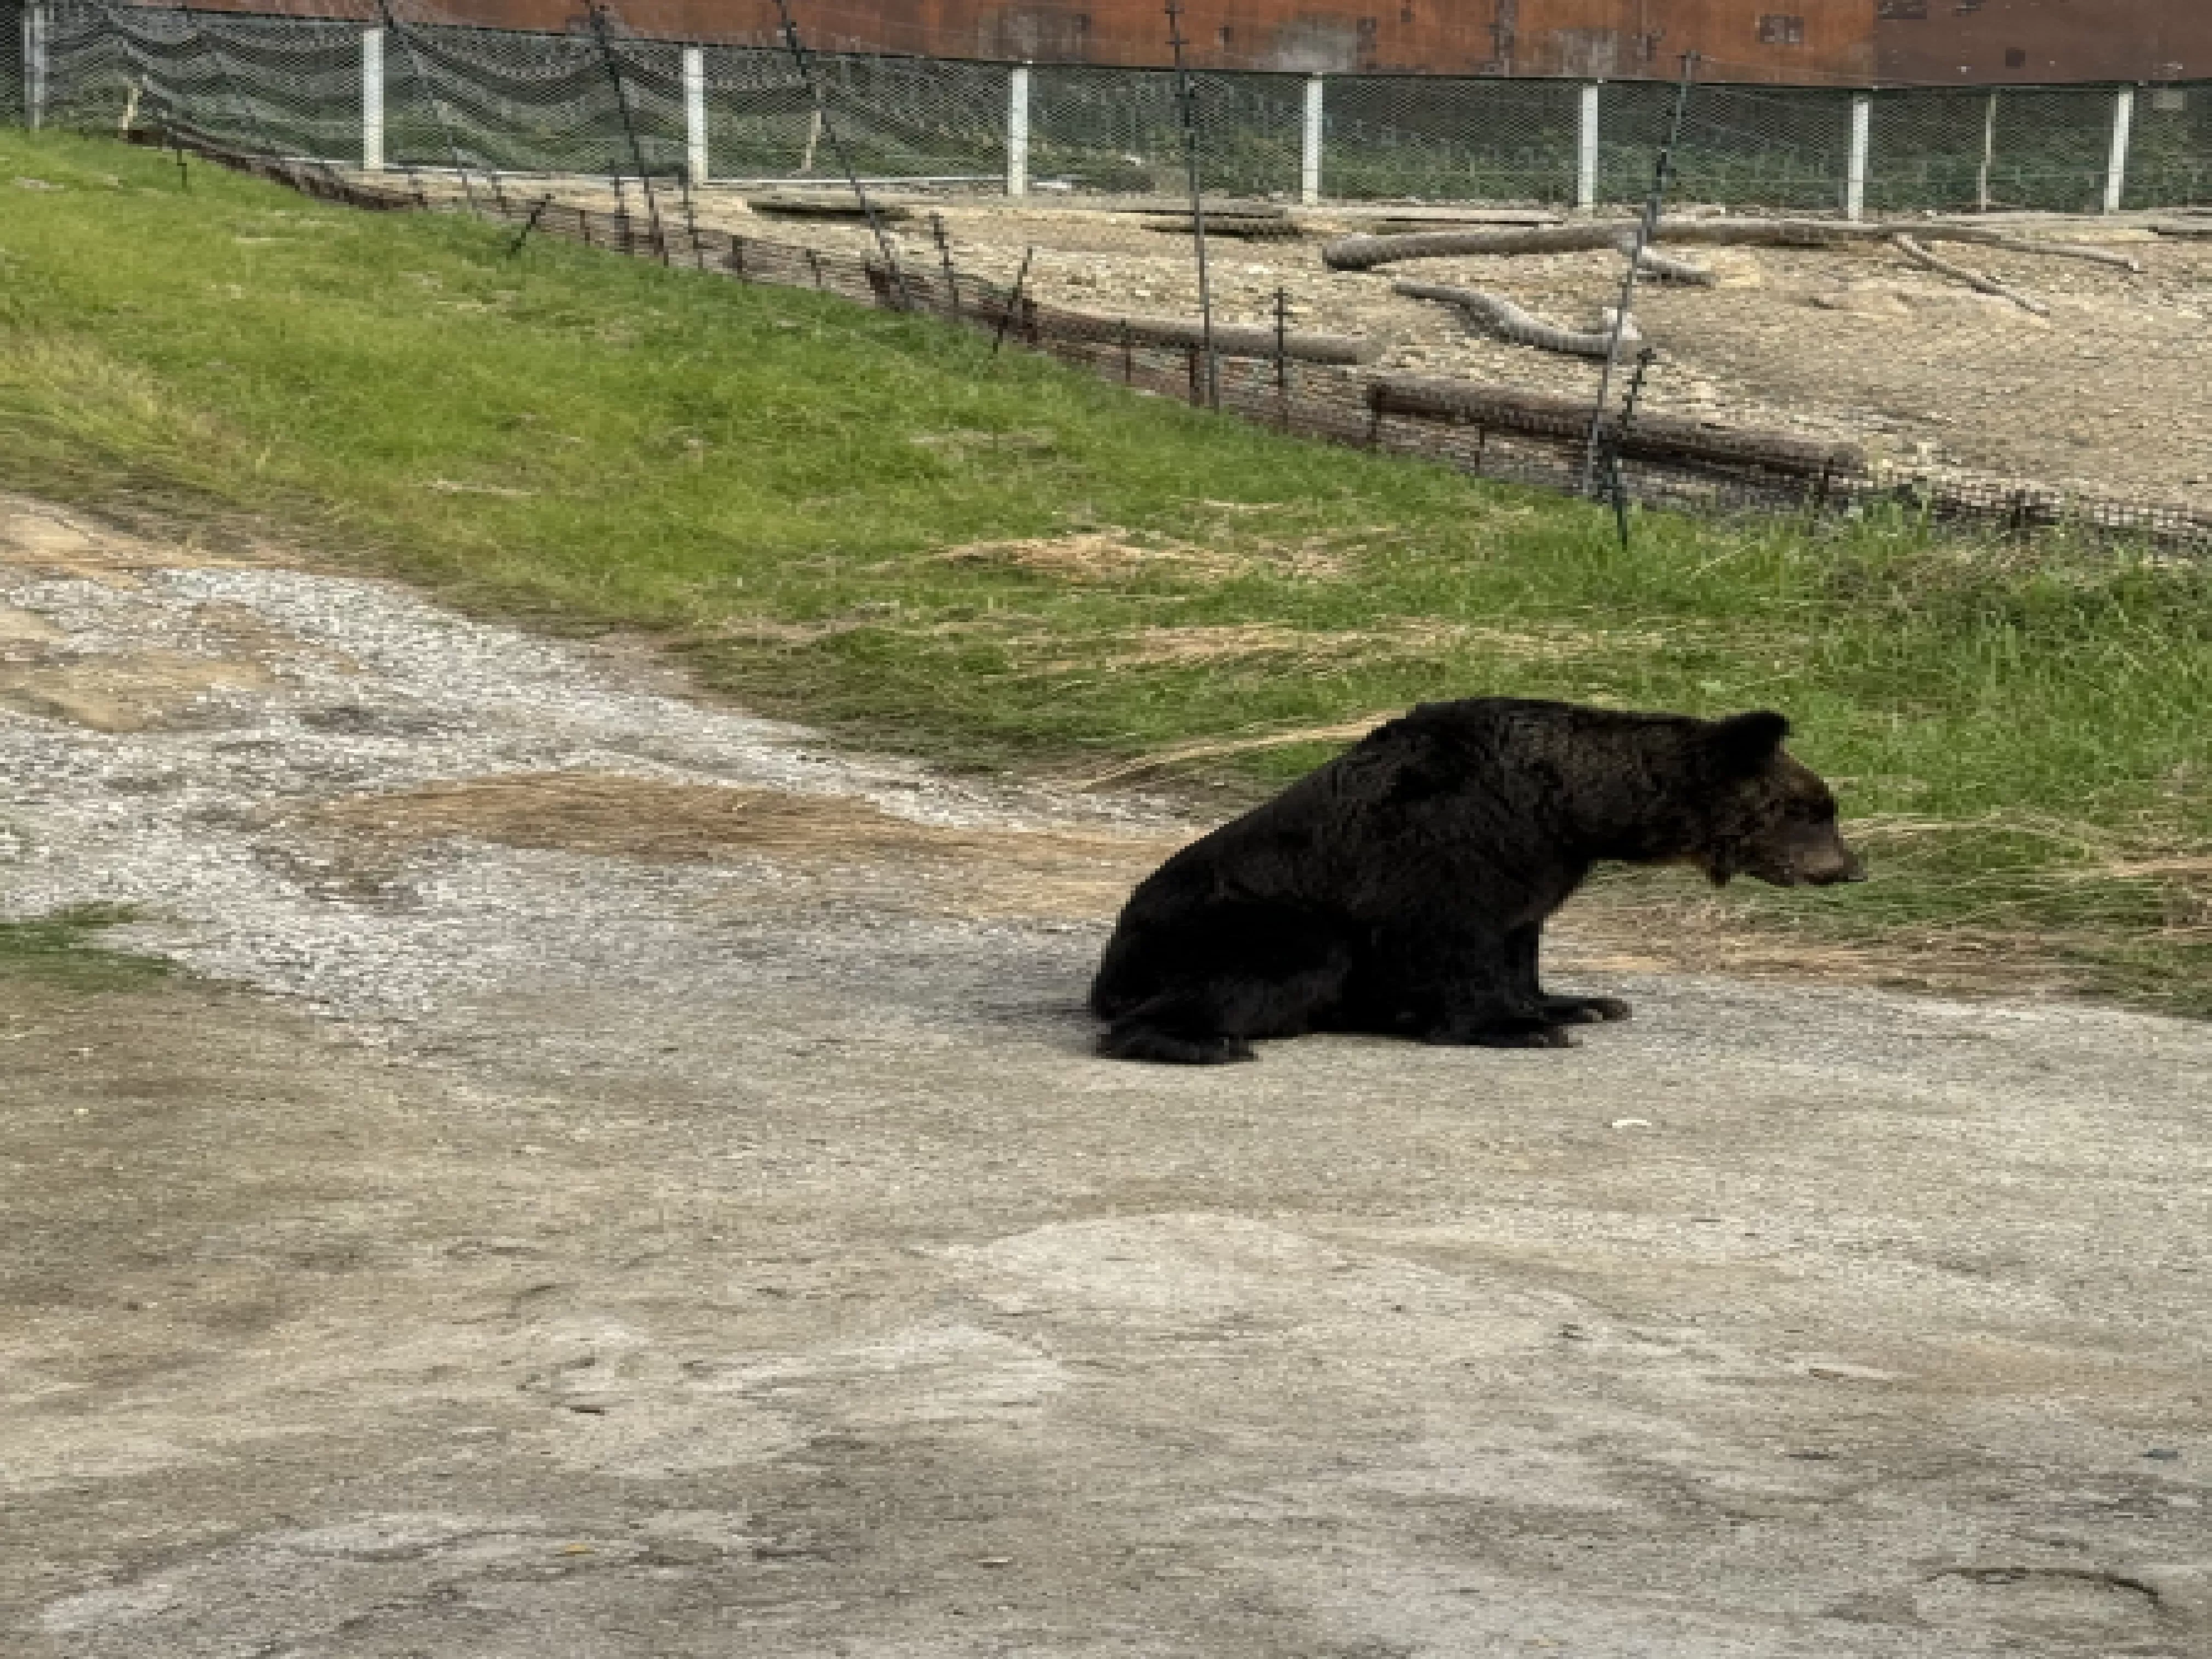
(774, 480)
(63, 948)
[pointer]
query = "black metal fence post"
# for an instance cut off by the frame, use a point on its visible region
(598, 16)
(804, 62)
(1616, 482)
(530, 224)
(245, 105)
(398, 31)
(1013, 300)
(944, 264)
(1187, 100)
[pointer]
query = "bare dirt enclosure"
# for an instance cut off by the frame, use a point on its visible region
(2102, 385)
(643, 1193)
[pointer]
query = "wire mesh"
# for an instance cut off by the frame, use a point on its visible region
(1754, 147)
(89, 65)
(525, 103)
(2170, 155)
(1409, 138)
(12, 54)
(293, 84)
(909, 117)
(1973, 150)
(1105, 130)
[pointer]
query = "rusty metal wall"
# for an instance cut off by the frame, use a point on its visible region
(1759, 40)
(1806, 42)
(1980, 42)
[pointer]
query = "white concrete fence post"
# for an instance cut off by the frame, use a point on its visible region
(1586, 150)
(2116, 167)
(695, 116)
(37, 87)
(1017, 131)
(1855, 169)
(1309, 143)
(372, 100)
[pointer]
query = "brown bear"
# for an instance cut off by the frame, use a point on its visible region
(1401, 887)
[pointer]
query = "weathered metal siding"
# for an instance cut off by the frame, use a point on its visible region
(1976, 42)
(1808, 40)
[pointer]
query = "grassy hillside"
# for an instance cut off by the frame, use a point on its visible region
(868, 520)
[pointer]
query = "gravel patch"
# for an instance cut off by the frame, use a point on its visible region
(196, 820)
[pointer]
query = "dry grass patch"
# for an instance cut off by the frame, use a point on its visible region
(1606, 932)
(869, 852)
(1194, 754)
(1097, 557)
(1199, 644)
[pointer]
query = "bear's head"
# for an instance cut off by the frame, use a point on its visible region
(1773, 817)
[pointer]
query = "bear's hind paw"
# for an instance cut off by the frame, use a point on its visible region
(1501, 1036)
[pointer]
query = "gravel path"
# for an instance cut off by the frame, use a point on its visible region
(679, 1216)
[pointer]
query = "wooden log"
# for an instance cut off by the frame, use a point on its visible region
(1178, 334)
(1974, 236)
(1415, 224)
(1246, 227)
(1511, 322)
(1973, 279)
(1651, 437)
(1664, 267)
(825, 204)
(1366, 252)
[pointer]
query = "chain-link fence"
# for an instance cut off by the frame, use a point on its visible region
(537, 102)
(1849, 324)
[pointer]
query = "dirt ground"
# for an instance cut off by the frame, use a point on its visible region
(2110, 394)
(629, 1182)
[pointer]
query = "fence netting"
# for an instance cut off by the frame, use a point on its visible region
(11, 63)
(1981, 306)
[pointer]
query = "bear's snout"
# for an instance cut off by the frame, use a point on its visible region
(1852, 869)
(1828, 865)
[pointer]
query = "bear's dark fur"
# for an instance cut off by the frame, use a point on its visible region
(1401, 887)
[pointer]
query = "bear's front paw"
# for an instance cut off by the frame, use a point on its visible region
(1585, 1011)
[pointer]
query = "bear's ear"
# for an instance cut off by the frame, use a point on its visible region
(1744, 742)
